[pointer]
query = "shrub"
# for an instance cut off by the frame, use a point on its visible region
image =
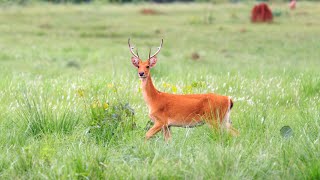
(110, 122)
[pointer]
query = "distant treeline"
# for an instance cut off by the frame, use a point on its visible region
(128, 1)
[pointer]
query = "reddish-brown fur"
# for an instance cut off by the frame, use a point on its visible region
(168, 110)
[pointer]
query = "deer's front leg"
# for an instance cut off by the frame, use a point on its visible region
(153, 130)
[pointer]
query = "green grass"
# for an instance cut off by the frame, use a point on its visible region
(71, 106)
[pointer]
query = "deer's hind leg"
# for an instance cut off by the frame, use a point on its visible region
(228, 124)
(166, 132)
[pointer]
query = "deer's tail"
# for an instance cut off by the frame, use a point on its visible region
(231, 104)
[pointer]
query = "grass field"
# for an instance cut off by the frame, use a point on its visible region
(71, 106)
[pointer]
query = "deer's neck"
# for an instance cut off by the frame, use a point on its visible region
(148, 90)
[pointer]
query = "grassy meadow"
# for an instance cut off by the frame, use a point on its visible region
(71, 106)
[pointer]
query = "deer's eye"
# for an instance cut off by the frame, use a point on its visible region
(148, 67)
(138, 66)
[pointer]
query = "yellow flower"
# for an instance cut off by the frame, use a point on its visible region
(105, 106)
(80, 92)
(96, 103)
(93, 105)
(166, 85)
(110, 85)
(174, 88)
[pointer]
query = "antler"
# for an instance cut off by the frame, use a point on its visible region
(159, 48)
(131, 50)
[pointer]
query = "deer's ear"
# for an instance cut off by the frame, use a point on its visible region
(153, 61)
(135, 61)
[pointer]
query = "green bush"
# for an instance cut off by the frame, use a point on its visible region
(110, 122)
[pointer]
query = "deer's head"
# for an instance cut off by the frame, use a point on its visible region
(144, 66)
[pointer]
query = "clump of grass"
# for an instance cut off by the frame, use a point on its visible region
(41, 117)
(310, 87)
(25, 161)
(110, 122)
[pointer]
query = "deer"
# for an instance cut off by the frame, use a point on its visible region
(179, 110)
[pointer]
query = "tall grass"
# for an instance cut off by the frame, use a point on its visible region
(41, 116)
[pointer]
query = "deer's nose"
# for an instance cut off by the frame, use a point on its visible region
(141, 74)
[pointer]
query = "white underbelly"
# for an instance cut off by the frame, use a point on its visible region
(176, 123)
